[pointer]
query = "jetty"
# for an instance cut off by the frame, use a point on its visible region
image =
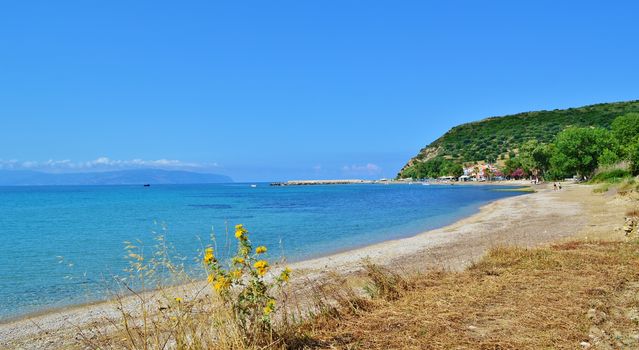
(322, 182)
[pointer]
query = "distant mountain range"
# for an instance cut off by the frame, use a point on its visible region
(120, 177)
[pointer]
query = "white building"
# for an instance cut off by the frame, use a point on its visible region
(479, 172)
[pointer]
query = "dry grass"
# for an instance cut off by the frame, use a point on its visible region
(601, 188)
(559, 297)
(632, 213)
(628, 187)
(161, 306)
(514, 298)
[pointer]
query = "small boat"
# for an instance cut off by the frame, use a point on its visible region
(253, 186)
(425, 184)
(147, 185)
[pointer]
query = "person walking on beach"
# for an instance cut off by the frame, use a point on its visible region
(554, 186)
(559, 186)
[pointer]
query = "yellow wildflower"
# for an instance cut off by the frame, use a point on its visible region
(222, 283)
(261, 266)
(208, 255)
(240, 232)
(178, 299)
(285, 275)
(270, 306)
(261, 249)
(236, 274)
(244, 251)
(238, 260)
(210, 278)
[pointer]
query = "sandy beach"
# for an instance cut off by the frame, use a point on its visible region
(529, 220)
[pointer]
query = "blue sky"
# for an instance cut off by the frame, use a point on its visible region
(290, 89)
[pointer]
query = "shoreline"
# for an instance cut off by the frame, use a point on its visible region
(453, 246)
(327, 255)
(387, 249)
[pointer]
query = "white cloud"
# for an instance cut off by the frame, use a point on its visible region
(102, 164)
(367, 169)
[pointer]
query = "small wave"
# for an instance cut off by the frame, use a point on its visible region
(210, 206)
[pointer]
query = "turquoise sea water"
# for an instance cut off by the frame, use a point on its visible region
(87, 225)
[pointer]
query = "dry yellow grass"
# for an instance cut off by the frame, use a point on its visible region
(514, 298)
(567, 296)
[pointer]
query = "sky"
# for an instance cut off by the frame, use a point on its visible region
(280, 90)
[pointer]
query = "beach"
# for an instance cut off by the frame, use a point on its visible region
(529, 220)
(295, 222)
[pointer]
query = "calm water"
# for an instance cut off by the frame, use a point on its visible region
(87, 226)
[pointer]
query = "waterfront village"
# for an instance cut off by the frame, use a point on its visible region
(478, 172)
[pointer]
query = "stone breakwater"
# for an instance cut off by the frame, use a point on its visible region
(322, 182)
(398, 182)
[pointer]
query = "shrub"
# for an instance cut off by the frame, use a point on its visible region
(245, 289)
(163, 306)
(612, 176)
(384, 284)
(628, 185)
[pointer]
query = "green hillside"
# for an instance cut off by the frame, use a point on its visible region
(496, 138)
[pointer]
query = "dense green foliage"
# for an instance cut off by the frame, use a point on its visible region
(608, 158)
(577, 150)
(534, 157)
(626, 130)
(633, 157)
(609, 155)
(435, 168)
(500, 138)
(611, 176)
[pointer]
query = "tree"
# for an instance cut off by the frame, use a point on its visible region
(418, 170)
(451, 169)
(433, 168)
(608, 158)
(535, 157)
(488, 173)
(633, 151)
(511, 165)
(577, 150)
(525, 153)
(518, 173)
(625, 129)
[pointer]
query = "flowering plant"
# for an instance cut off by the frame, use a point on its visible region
(245, 284)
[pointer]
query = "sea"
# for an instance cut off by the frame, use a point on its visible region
(59, 244)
